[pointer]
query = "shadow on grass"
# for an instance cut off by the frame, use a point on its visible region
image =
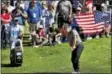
(25, 44)
(6, 65)
(9, 65)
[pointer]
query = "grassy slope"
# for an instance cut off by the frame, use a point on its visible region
(96, 58)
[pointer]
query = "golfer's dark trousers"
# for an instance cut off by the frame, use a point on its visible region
(76, 53)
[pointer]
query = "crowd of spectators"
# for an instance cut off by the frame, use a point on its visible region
(40, 15)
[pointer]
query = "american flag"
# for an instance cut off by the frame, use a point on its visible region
(86, 22)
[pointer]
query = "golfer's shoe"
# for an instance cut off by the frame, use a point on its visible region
(75, 72)
(108, 35)
(89, 38)
(35, 46)
(97, 37)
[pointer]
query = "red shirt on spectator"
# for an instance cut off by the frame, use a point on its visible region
(6, 18)
(42, 34)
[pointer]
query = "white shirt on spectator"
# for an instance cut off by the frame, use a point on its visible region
(10, 8)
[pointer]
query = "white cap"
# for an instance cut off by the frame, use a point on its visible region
(78, 8)
(40, 26)
(103, 5)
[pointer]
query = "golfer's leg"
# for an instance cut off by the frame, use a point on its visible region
(79, 50)
(74, 60)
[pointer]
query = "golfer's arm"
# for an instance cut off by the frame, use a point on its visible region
(73, 43)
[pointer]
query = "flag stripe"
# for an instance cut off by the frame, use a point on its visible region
(84, 23)
(91, 31)
(85, 16)
(87, 28)
(83, 20)
(91, 25)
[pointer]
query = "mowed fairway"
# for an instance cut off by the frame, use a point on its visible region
(96, 58)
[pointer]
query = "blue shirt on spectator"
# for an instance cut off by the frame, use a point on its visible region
(34, 14)
(74, 23)
(14, 31)
(39, 7)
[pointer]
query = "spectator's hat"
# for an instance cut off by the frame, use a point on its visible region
(102, 5)
(78, 8)
(41, 27)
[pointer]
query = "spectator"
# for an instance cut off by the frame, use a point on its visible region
(102, 16)
(39, 5)
(52, 36)
(44, 16)
(51, 14)
(64, 11)
(58, 34)
(106, 19)
(22, 4)
(3, 5)
(12, 2)
(5, 19)
(9, 7)
(15, 34)
(55, 3)
(34, 18)
(40, 37)
(20, 14)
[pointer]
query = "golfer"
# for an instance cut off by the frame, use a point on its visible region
(76, 45)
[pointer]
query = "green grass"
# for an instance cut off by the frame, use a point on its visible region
(96, 58)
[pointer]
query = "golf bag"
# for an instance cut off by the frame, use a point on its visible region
(16, 55)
